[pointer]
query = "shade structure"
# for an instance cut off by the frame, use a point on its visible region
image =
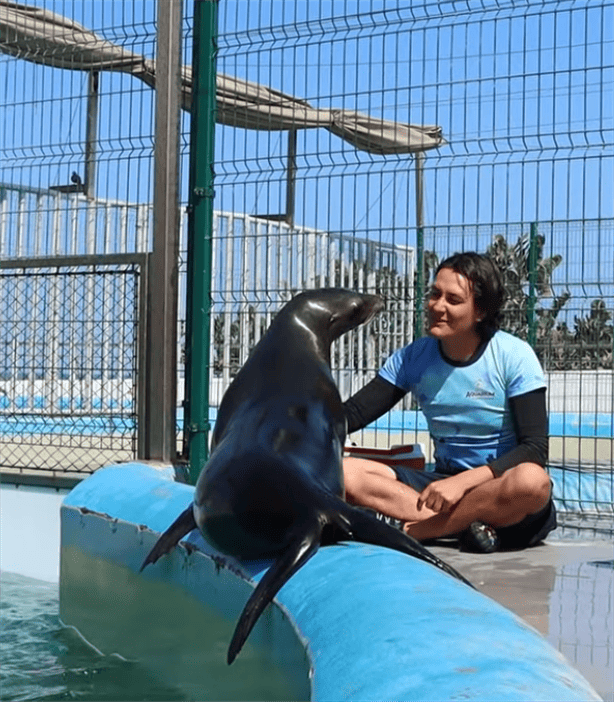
(48, 38)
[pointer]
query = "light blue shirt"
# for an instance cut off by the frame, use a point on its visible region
(466, 405)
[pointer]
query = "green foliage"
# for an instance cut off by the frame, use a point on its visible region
(594, 338)
(234, 339)
(521, 311)
(587, 346)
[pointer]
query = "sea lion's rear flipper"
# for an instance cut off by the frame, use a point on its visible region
(304, 542)
(362, 526)
(172, 536)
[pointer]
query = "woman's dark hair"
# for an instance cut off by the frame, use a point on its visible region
(486, 284)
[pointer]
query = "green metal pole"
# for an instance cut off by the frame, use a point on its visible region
(200, 235)
(532, 300)
(419, 291)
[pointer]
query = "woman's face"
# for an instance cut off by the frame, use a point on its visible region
(452, 309)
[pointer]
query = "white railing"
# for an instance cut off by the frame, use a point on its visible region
(257, 265)
(39, 223)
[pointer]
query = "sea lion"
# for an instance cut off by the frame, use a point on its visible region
(273, 485)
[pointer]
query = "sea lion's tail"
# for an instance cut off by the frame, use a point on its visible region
(360, 525)
(304, 541)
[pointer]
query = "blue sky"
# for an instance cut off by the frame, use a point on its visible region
(522, 90)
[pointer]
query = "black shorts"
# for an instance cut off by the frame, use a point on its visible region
(530, 531)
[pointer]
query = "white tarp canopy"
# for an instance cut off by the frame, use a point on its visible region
(50, 39)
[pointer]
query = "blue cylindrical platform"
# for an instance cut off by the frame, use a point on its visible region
(357, 622)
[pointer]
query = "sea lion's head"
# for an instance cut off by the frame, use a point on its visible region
(331, 312)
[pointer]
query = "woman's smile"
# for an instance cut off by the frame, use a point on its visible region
(453, 315)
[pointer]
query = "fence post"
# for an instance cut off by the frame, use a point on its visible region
(532, 274)
(160, 431)
(200, 235)
(91, 134)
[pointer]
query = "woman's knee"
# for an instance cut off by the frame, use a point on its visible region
(530, 482)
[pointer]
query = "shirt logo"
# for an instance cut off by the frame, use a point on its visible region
(480, 390)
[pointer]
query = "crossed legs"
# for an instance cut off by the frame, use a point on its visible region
(500, 502)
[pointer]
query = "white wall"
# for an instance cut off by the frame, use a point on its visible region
(30, 531)
(581, 391)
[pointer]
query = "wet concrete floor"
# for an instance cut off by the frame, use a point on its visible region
(564, 589)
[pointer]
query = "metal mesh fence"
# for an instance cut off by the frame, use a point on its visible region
(566, 315)
(69, 331)
(76, 183)
(522, 94)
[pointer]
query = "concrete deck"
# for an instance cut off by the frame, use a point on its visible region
(564, 589)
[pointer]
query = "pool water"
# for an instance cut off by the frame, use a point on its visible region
(564, 590)
(42, 660)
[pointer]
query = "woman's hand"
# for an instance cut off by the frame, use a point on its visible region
(444, 495)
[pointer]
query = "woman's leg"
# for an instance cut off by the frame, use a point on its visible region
(501, 502)
(375, 485)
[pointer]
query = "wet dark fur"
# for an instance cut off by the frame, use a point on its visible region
(273, 486)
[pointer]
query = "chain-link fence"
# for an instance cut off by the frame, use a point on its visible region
(356, 144)
(69, 362)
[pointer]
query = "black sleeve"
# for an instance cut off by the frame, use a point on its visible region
(371, 402)
(531, 424)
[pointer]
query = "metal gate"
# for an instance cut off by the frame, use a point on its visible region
(71, 348)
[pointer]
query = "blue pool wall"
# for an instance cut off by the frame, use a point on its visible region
(24, 415)
(357, 622)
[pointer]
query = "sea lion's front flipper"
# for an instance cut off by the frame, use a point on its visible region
(304, 542)
(172, 536)
(363, 526)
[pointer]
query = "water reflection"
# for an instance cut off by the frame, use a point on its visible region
(562, 588)
(581, 620)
